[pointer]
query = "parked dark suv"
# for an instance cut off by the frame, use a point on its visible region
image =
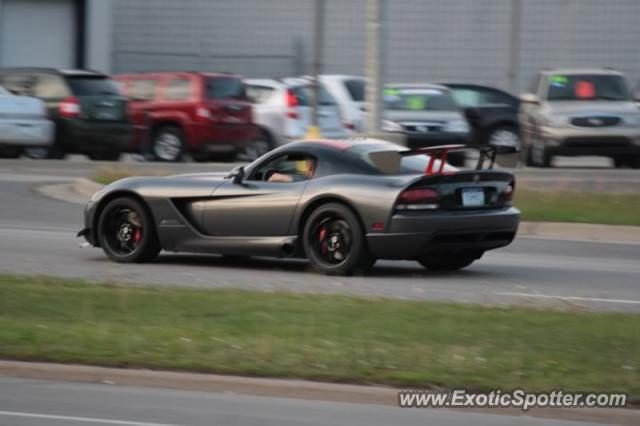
(89, 113)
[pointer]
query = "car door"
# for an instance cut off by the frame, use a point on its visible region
(142, 93)
(259, 206)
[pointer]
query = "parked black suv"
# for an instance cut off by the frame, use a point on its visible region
(89, 112)
(492, 113)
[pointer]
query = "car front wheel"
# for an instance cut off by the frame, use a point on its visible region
(126, 231)
(334, 241)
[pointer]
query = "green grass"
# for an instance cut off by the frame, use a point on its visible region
(328, 338)
(584, 207)
(109, 174)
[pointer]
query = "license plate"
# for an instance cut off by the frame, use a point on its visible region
(106, 115)
(473, 197)
(27, 130)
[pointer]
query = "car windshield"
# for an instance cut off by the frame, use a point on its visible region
(225, 88)
(587, 88)
(418, 99)
(92, 86)
(386, 159)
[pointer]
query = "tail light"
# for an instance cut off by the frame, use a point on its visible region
(349, 126)
(418, 199)
(508, 192)
(70, 107)
(292, 105)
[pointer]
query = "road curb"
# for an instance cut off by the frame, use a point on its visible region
(80, 191)
(298, 389)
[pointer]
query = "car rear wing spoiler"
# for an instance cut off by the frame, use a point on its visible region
(487, 155)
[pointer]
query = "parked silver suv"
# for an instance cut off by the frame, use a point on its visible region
(580, 112)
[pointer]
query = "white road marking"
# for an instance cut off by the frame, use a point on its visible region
(570, 298)
(80, 419)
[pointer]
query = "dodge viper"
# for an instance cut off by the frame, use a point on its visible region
(341, 204)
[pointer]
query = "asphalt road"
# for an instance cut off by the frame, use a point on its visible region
(37, 236)
(39, 403)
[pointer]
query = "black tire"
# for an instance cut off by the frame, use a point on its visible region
(632, 162)
(263, 144)
(104, 156)
(330, 228)
(126, 238)
(544, 162)
(504, 135)
(167, 144)
(51, 153)
(10, 152)
(452, 262)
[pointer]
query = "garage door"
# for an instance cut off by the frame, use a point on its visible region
(37, 33)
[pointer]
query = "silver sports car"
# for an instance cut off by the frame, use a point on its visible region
(341, 204)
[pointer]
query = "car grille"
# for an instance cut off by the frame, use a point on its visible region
(432, 126)
(600, 142)
(596, 121)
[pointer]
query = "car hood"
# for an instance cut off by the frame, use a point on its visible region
(403, 116)
(596, 107)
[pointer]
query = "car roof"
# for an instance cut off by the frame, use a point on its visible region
(341, 77)
(168, 73)
(416, 86)
(340, 144)
(579, 71)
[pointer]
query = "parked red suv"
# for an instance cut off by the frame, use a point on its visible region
(205, 114)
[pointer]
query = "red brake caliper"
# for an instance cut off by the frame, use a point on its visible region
(137, 236)
(322, 236)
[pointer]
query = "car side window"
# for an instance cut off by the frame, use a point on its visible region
(285, 169)
(535, 85)
(143, 90)
(178, 89)
(467, 98)
(49, 86)
(19, 84)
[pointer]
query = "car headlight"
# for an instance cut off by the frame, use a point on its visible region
(391, 126)
(557, 120)
(457, 126)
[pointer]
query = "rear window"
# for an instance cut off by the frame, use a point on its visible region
(305, 94)
(386, 159)
(259, 94)
(587, 87)
(92, 86)
(356, 89)
(418, 99)
(225, 88)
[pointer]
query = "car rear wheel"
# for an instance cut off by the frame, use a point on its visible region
(126, 231)
(10, 152)
(260, 146)
(167, 144)
(630, 161)
(538, 156)
(334, 241)
(504, 136)
(452, 262)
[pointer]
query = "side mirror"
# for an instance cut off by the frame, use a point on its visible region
(237, 175)
(529, 98)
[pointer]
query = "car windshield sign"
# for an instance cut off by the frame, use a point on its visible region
(587, 88)
(418, 100)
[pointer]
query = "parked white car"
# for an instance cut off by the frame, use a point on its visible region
(23, 124)
(349, 92)
(283, 108)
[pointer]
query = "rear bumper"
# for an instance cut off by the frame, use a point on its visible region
(84, 136)
(26, 133)
(411, 236)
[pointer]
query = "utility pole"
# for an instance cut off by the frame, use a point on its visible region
(375, 61)
(515, 44)
(318, 49)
